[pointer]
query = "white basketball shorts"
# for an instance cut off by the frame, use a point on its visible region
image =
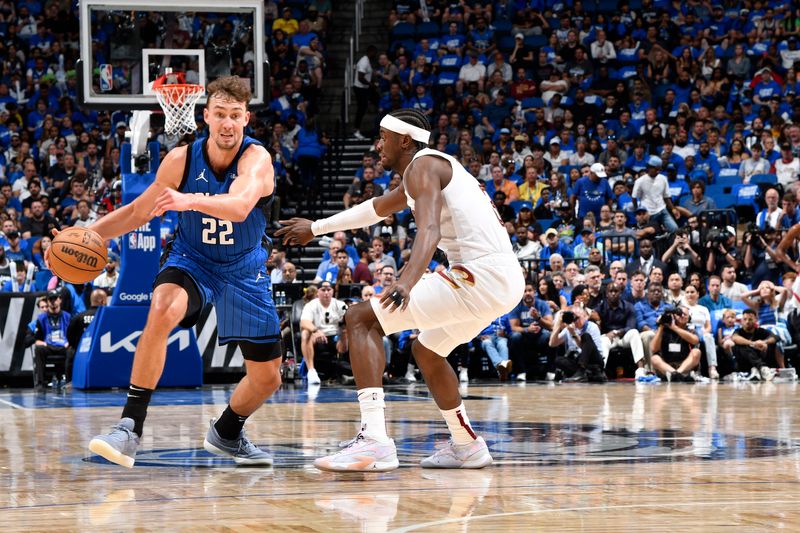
(451, 307)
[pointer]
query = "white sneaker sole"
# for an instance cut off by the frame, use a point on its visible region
(238, 460)
(108, 452)
(364, 466)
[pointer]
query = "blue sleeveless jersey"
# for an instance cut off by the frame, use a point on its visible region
(212, 240)
(226, 260)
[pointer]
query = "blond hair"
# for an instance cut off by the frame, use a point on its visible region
(230, 88)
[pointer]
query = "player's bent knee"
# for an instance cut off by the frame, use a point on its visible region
(165, 314)
(265, 376)
(360, 315)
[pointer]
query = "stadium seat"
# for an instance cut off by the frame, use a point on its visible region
(41, 279)
(770, 179)
(535, 41)
(724, 200)
(506, 44)
(402, 30)
(593, 99)
(739, 306)
(532, 102)
(516, 205)
(426, 30)
(501, 28)
(729, 177)
(626, 72)
(451, 149)
(607, 6)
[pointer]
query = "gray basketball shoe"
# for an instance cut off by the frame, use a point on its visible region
(241, 450)
(473, 455)
(119, 446)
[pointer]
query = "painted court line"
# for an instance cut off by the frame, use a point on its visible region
(581, 509)
(14, 405)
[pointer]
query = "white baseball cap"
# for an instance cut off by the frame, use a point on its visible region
(599, 170)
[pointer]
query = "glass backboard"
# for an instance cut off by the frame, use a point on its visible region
(125, 45)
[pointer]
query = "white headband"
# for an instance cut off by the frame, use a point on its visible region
(404, 128)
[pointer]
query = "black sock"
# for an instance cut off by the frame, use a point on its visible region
(229, 424)
(136, 406)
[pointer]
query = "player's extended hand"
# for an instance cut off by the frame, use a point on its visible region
(171, 200)
(395, 297)
(295, 231)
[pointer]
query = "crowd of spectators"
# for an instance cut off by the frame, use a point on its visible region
(60, 161)
(644, 157)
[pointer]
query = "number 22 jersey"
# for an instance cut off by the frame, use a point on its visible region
(207, 238)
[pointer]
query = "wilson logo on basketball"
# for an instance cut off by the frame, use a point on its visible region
(80, 257)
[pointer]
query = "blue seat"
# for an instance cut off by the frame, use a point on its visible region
(545, 223)
(426, 30)
(740, 306)
(607, 6)
(501, 28)
(29, 242)
(505, 44)
(408, 44)
(516, 205)
(626, 72)
(535, 41)
(402, 30)
(728, 176)
(451, 149)
(770, 179)
(716, 316)
(41, 279)
(724, 201)
(531, 102)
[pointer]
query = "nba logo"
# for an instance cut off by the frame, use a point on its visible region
(132, 240)
(106, 77)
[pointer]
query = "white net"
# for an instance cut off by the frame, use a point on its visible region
(178, 102)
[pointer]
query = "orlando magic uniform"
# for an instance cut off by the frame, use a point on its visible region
(225, 260)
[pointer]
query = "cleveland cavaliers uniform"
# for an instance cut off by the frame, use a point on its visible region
(484, 280)
(226, 260)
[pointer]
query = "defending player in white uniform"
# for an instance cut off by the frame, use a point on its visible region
(449, 308)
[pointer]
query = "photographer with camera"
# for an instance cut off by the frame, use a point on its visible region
(680, 257)
(721, 249)
(674, 347)
(582, 362)
(760, 255)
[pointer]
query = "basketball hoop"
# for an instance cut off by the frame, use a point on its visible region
(177, 100)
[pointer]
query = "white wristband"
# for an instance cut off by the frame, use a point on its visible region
(360, 216)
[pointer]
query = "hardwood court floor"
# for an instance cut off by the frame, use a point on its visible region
(617, 457)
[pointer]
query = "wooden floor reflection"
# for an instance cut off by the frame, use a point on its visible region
(616, 457)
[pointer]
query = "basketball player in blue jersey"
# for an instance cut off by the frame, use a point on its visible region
(222, 186)
(449, 307)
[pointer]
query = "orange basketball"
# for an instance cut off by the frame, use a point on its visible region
(78, 255)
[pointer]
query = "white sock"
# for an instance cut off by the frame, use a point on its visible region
(458, 424)
(372, 406)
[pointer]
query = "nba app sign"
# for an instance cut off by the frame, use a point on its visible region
(142, 239)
